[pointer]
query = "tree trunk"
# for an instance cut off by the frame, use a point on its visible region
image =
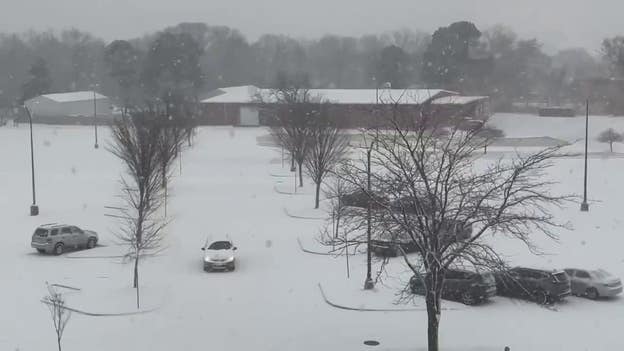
(433, 292)
(300, 174)
(58, 342)
(611, 146)
(337, 229)
(292, 163)
(485, 149)
(316, 199)
(136, 272)
(136, 278)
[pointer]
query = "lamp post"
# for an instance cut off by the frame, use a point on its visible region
(34, 209)
(95, 116)
(368, 283)
(585, 205)
(376, 90)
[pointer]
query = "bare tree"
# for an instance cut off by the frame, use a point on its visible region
(436, 189)
(291, 110)
(60, 315)
(172, 134)
(137, 143)
(488, 134)
(327, 146)
(610, 136)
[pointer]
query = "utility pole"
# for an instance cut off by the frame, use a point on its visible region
(368, 283)
(34, 209)
(585, 205)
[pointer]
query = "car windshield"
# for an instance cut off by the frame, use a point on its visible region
(487, 278)
(560, 277)
(601, 274)
(220, 245)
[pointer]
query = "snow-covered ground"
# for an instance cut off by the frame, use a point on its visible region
(272, 301)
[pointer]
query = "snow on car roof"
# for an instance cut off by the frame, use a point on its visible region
(53, 225)
(538, 268)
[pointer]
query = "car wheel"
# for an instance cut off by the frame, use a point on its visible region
(59, 248)
(468, 299)
(41, 251)
(541, 297)
(91, 243)
(592, 294)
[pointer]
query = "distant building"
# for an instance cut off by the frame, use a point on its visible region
(351, 108)
(231, 106)
(467, 107)
(77, 107)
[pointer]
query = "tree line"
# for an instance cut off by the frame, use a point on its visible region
(189, 59)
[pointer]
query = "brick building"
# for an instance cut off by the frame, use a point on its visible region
(352, 108)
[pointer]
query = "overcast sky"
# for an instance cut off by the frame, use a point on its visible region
(558, 23)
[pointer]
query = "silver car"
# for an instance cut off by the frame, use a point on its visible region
(593, 283)
(219, 255)
(57, 238)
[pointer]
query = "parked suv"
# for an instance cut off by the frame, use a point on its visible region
(57, 238)
(466, 286)
(388, 248)
(539, 285)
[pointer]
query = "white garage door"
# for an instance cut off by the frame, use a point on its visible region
(249, 116)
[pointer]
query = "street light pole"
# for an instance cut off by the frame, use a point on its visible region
(95, 117)
(368, 283)
(34, 209)
(585, 205)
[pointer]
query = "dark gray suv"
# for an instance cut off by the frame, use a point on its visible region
(540, 285)
(57, 238)
(462, 285)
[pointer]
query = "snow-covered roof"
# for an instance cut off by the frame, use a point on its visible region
(372, 96)
(457, 100)
(74, 96)
(249, 94)
(242, 95)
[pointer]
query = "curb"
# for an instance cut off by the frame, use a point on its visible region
(302, 217)
(276, 175)
(91, 314)
(357, 309)
(324, 253)
(314, 252)
(285, 192)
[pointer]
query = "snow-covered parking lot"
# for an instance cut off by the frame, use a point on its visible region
(272, 301)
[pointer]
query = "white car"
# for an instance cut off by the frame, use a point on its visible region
(593, 283)
(219, 255)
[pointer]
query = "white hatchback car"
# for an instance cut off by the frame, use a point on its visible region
(593, 283)
(219, 255)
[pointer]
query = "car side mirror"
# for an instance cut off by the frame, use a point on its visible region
(203, 249)
(234, 248)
